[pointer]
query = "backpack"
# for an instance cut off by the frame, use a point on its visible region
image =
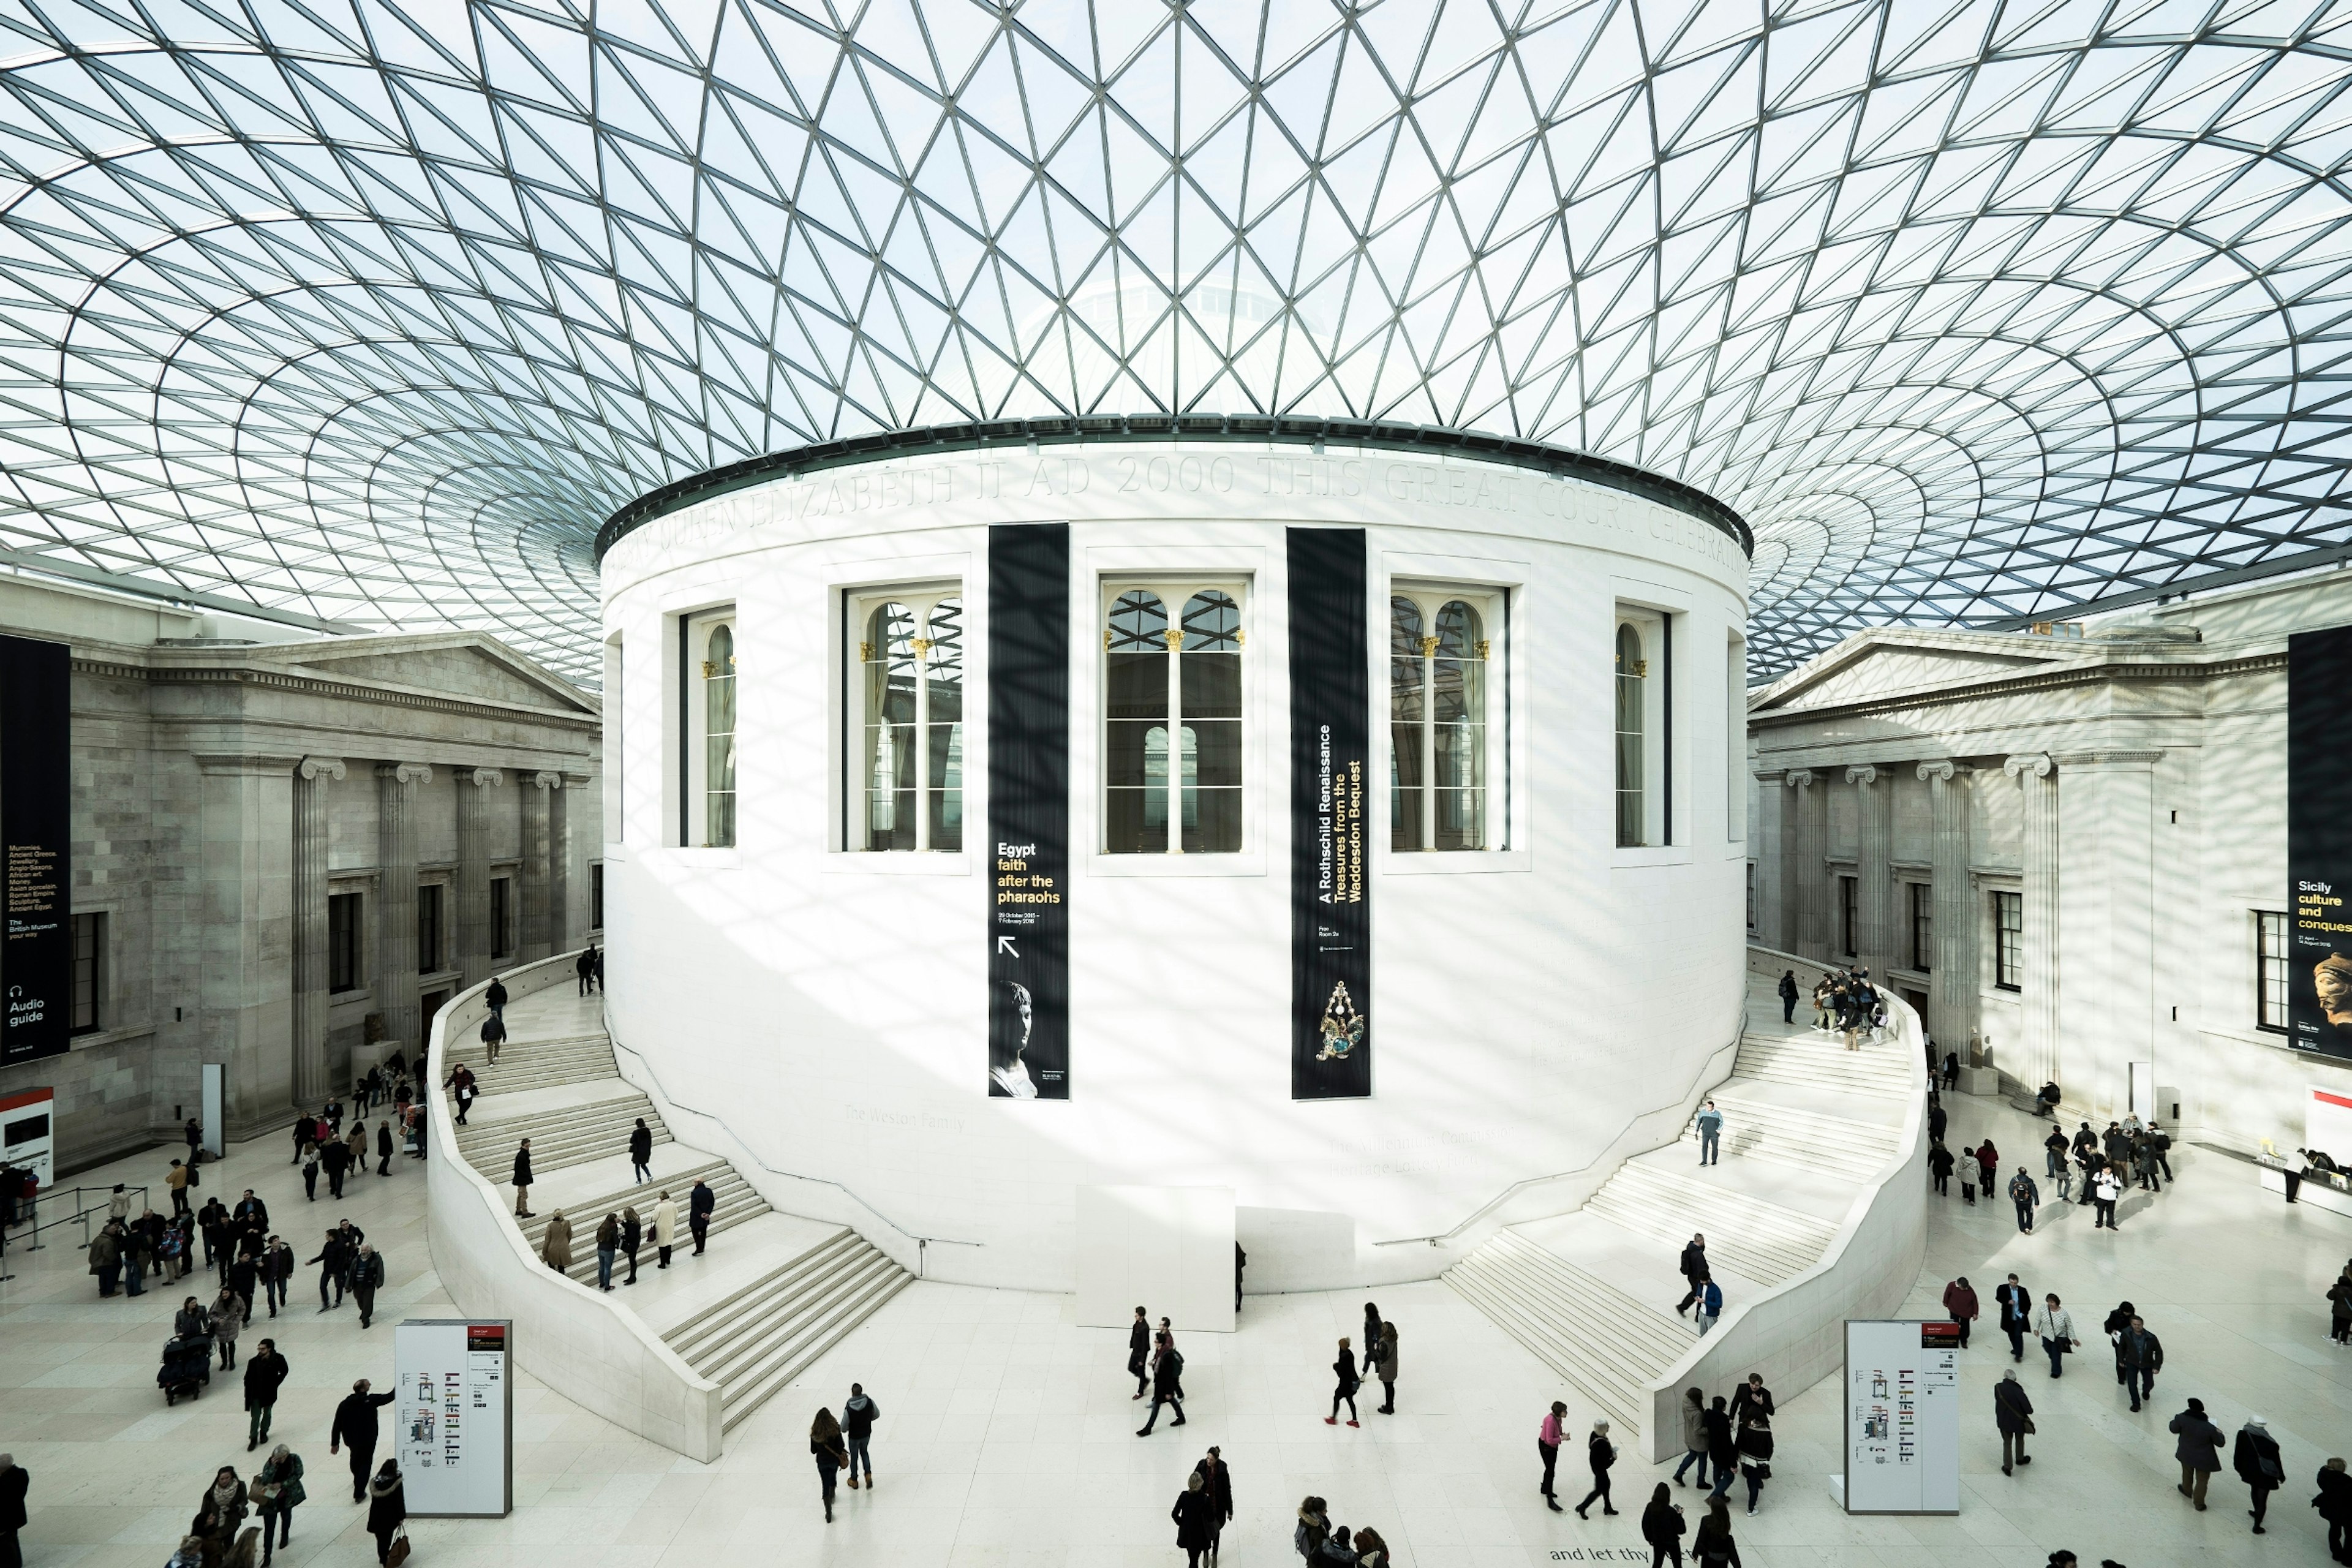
(1176, 1360)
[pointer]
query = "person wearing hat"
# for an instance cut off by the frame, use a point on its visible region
(2255, 1457)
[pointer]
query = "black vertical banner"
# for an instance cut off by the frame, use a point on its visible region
(2319, 841)
(1028, 811)
(37, 836)
(1330, 773)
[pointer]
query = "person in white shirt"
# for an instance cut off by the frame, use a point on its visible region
(2106, 1189)
(2054, 1325)
(1971, 1171)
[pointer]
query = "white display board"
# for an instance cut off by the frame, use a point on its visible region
(216, 1100)
(455, 1414)
(1168, 1250)
(28, 1133)
(1902, 1416)
(2327, 1123)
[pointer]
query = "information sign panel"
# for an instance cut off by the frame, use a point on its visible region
(1902, 1416)
(455, 1414)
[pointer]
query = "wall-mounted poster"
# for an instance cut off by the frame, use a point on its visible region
(1028, 811)
(37, 836)
(1902, 1416)
(2319, 841)
(1330, 778)
(454, 1414)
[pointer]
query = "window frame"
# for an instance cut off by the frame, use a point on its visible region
(1849, 891)
(1653, 627)
(431, 927)
(1177, 587)
(595, 895)
(922, 597)
(347, 944)
(697, 671)
(89, 924)
(2007, 940)
(502, 912)
(1492, 605)
(2265, 922)
(1923, 926)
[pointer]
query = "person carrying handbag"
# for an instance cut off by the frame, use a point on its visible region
(2012, 1412)
(388, 1515)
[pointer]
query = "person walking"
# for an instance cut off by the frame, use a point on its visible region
(1240, 1261)
(665, 1228)
(2199, 1451)
(1756, 1455)
(2027, 1197)
(632, 1236)
(702, 1203)
(824, 1444)
(1971, 1171)
(222, 1509)
(2053, 1158)
(1548, 1441)
(1217, 1480)
(1343, 1369)
(367, 1278)
(1722, 1446)
(555, 1243)
(311, 1174)
(494, 997)
(1939, 1165)
(857, 1418)
(608, 1243)
(522, 1180)
(227, 1321)
(175, 1181)
(1710, 1134)
(1961, 1305)
(358, 1145)
(1138, 1354)
(2012, 1412)
(1384, 1365)
(275, 1493)
(388, 1509)
(355, 1426)
(1599, 1454)
(1662, 1527)
(1788, 989)
(2054, 1326)
(2255, 1457)
(2139, 1356)
(1710, 1303)
(584, 966)
(384, 1146)
(641, 1153)
(1694, 1420)
(2334, 1503)
(493, 1036)
(333, 1263)
(1988, 1162)
(1712, 1546)
(277, 1265)
(1693, 1267)
(2106, 1188)
(463, 1084)
(1192, 1515)
(336, 1156)
(265, 1372)
(2016, 1314)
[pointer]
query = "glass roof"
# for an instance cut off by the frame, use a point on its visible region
(374, 311)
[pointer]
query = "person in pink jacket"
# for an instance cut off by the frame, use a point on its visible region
(1547, 1445)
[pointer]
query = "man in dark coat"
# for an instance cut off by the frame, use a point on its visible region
(584, 966)
(1694, 1271)
(522, 1181)
(336, 1156)
(1138, 1354)
(2255, 1457)
(355, 1425)
(641, 1152)
(2016, 1315)
(700, 1204)
(13, 1480)
(1788, 997)
(367, 1278)
(265, 1371)
(1167, 1378)
(1217, 1480)
(334, 1262)
(2139, 1356)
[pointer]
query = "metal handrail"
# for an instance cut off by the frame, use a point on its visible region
(34, 1206)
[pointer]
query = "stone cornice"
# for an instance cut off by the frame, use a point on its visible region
(2043, 680)
(2104, 758)
(317, 686)
(236, 763)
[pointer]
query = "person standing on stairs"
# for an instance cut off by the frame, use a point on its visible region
(857, 1418)
(1138, 1354)
(608, 1242)
(1693, 1269)
(522, 1180)
(1788, 996)
(493, 1035)
(1384, 1363)
(1960, 1301)
(1600, 1453)
(631, 1234)
(555, 1244)
(641, 1153)
(1710, 1134)
(824, 1443)
(495, 998)
(2012, 1412)
(1710, 1303)
(1344, 1370)
(462, 1084)
(1548, 1441)
(700, 1204)
(665, 1228)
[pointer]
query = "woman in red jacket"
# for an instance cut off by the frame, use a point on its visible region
(1960, 1301)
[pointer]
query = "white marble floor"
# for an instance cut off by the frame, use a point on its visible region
(1007, 1437)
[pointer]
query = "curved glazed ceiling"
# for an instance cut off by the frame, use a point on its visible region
(373, 312)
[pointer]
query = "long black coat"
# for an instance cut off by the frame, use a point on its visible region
(1196, 1520)
(1219, 1485)
(1138, 1347)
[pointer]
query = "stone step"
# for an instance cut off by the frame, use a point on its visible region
(1759, 1241)
(711, 1171)
(572, 1137)
(1605, 1343)
(1789, 1135)
(1879, 1073)
(738, 1204)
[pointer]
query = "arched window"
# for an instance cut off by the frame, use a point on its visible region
(1632, 810)
(719, 736)
(1183, 681)
(910, 655)
(1438, 738)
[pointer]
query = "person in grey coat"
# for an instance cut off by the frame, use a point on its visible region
(2198, 1451)
(2012, 1412)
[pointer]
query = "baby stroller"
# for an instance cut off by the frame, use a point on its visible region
(187, 1367)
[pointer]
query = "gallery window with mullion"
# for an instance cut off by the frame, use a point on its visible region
(1444, 667)
(1641, 685)
(2007, 940)
(707, 702)
(2270, 971)
(89, 972)
(1173, 725)
(904, 774)
(1923, 926)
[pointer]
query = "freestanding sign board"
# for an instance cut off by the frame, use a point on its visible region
(1902, 1416)
(455, 1414)
(28, 1133)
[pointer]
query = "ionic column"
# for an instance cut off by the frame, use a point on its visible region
(1809, 929)
(538, 811)
(310, 901)
(474, 786)
(1874, 866)
(1764, 838)
(395, 923)
(1957, 981)
(2036, 1060)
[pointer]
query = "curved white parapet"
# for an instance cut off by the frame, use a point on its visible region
(596, 1353)
(1794, 1333)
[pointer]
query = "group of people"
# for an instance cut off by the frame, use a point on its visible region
(1315, 1539)
(1703, 1293)
(1734, 1436)
(1844, 1003)
(2128, 1154)
(320, 1144)
(844, 1443)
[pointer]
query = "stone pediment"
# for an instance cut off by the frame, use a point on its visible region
(1885, 664)
(462, 664)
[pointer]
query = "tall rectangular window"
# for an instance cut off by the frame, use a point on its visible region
(1735, 740)
(2270, 971)
(89, 972)
(1172, 718)
(1442, 665)
(342, 942)
(501, 918)
(1751, 897)
(1923, 926)
(596, 896)
(906, 732)
(1849, 914)
(428, 927)
(2008, 939)
(1641, 684)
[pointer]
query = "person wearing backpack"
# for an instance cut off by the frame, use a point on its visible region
(857, 1418)
(1166, 1383)
(2255, 1457)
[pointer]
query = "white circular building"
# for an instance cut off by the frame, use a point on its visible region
(1347, 815)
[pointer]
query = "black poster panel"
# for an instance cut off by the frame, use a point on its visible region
(2319, 841)
(37, 830)
(1331, 772)
(1028, 811)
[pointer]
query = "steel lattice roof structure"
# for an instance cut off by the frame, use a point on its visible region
(373, 312)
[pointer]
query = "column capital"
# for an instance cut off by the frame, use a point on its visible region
(1802, 778)
(1862, 773)
(405, 773)
(481, 776)
(2038, 763)
(317, 767)
(543, 779)
(1943, 768)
